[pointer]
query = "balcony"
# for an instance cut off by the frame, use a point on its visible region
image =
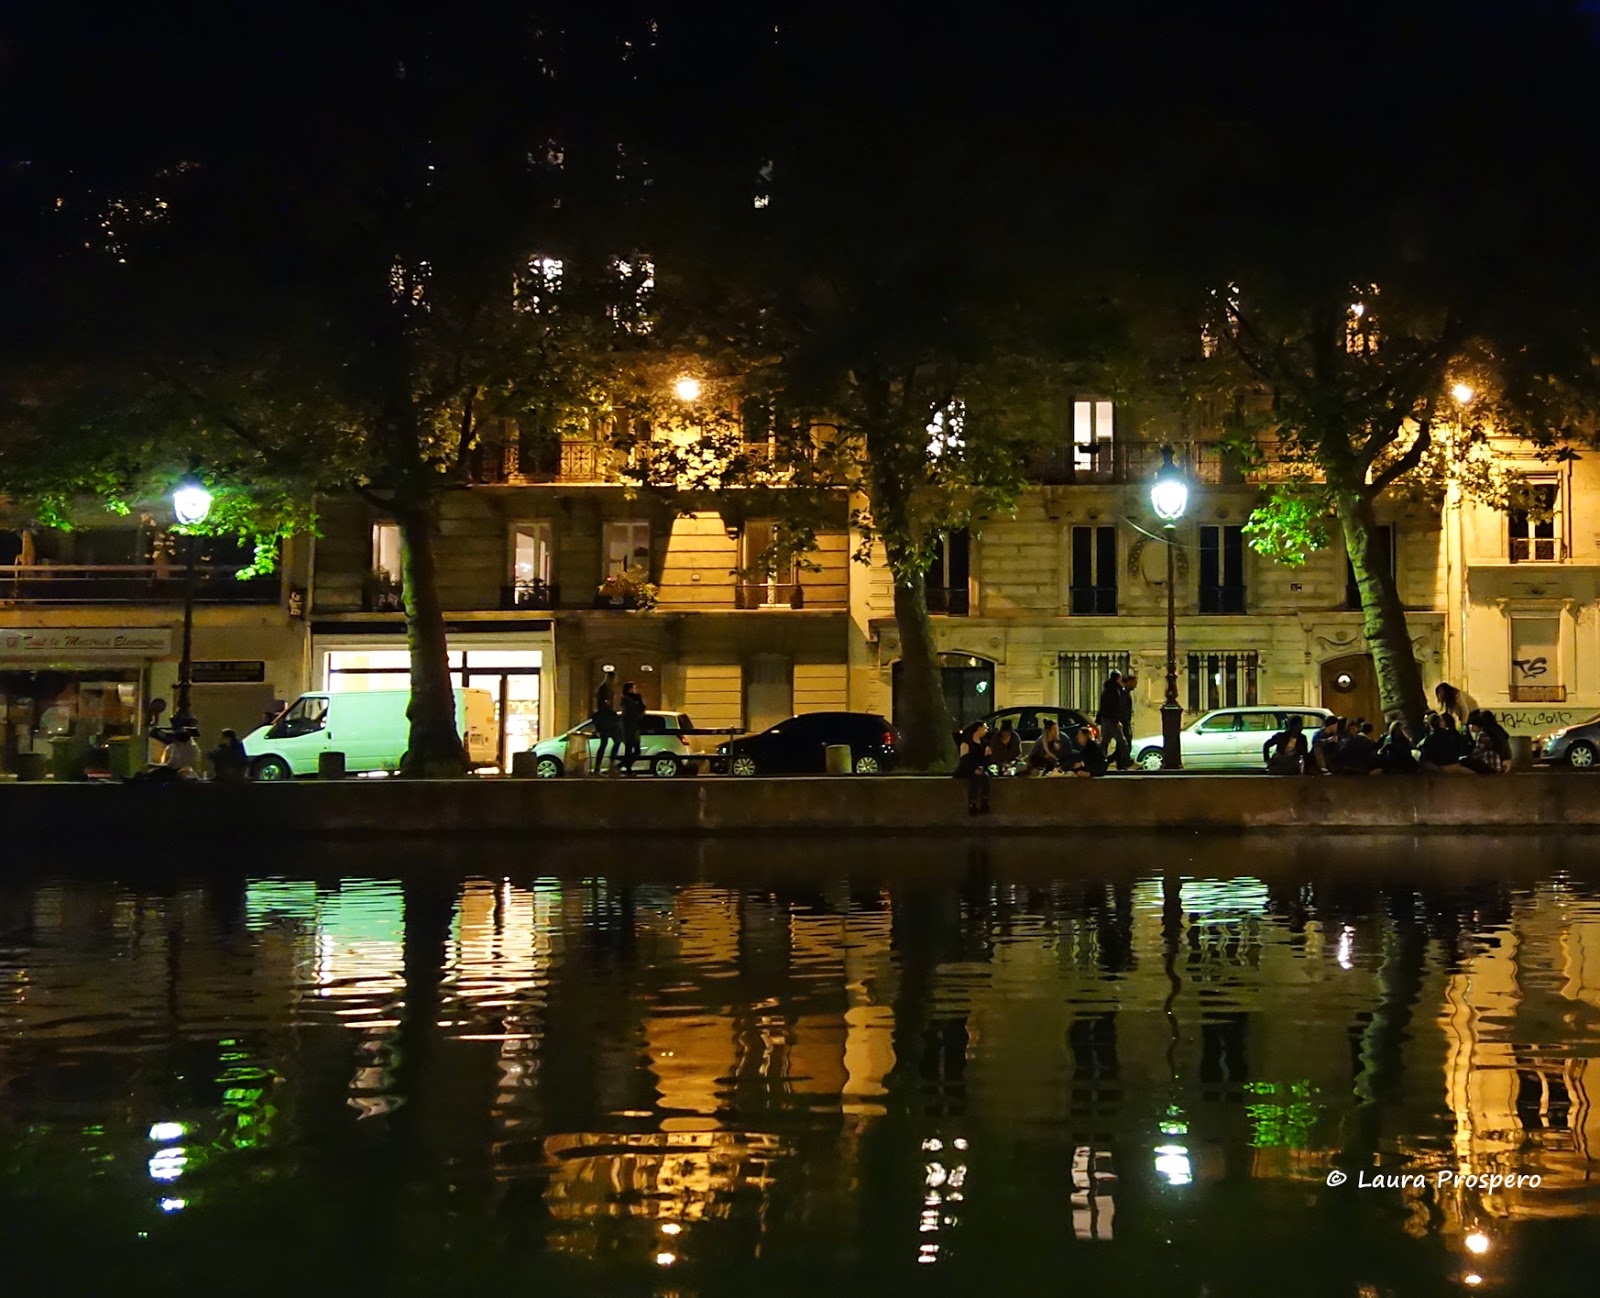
(571, 462)
(62, 583)
(534, 594)
(1535, 549)
(953, 601)
(1118, 462)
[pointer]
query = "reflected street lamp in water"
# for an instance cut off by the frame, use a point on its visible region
(191, 502)
(1169, 497)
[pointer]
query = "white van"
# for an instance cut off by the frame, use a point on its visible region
(368, 726)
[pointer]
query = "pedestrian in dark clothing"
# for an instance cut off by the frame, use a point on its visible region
(1286, 752)
(1108, 716)
(632, 722)
(972, 765)
(1325, 749)
(1130, 683)
(1358, 754)
(1394, 754)
(1005, 747)
(229, 760)
(1491, 748)
(1460, 740)
(607, 725)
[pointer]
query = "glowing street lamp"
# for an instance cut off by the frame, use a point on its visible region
(191, 502)
(1169, 497)
(687, 388)
(1463, 394)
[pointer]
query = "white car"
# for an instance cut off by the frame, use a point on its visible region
(664, 745)
(1229, 738)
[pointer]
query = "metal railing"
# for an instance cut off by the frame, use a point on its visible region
(1535, 549)
(65, 583)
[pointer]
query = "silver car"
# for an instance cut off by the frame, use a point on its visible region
(1229, 739)
(664, 745)
(1578, 745)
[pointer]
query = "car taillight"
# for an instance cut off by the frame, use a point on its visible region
(684, 740)
(888, 739)
(1094, 733)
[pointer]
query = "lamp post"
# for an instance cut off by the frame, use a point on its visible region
(191, 502)
(1169, 496)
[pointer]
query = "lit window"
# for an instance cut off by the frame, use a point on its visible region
(627, 545)
(1092, 422)
(535, 289)
(386, 550)
(1361, 321)
(1534, 535)
(945, 431)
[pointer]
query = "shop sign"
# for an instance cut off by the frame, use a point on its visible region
(88, 643)
(243, 672)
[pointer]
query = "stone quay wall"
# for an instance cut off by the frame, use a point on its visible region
(217, 814)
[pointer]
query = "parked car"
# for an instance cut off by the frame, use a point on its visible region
(1578, 745)
(666, 747)
(369, 727)
(1029, 721)
(798, 746)
(1228, 738)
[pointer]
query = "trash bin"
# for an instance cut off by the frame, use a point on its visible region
(837, 758)
(330, 766)
(30, 766)
(522, 764)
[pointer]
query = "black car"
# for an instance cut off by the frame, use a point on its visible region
(799, 745)
(1029, 721)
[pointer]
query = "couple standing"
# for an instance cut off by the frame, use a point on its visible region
(617, 723)
(1115, 717)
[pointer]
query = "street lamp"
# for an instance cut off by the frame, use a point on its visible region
(1169, 496)
(191, 502)
(687, 388)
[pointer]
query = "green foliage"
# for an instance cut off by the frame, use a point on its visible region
(1291, 525)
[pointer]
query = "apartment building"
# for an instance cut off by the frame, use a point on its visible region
(91, 631)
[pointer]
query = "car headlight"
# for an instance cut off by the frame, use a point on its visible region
(722, 750)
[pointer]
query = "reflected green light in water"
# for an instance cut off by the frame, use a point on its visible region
(164, 1131)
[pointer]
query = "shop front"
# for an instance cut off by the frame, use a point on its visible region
(66, 690)
(510, 665)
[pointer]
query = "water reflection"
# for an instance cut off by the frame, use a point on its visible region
(791, 1064)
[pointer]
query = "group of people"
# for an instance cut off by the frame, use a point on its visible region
(618, 722)
(981, 753)
(1345, 746)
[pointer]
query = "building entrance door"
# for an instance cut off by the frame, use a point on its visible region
(1350, 688)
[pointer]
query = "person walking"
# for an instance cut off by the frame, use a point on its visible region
(1130, 683)
(1108, 716)
(972, 765)
(632, 720)
(607, 726)
(1286, 752)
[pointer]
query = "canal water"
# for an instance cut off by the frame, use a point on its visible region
(1101, 1066)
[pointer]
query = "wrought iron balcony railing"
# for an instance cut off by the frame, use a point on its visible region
(63, 583)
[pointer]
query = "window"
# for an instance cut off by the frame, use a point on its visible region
(1094, 571)
(627, 545)
(1091, 440)
(1533, 527)
(1267, 722)
(1222, 570)
(1080, 677)
(1536, 660)
(1382, 552)
(531, 566)
(765, 581)
(1223, 679)
(385, 588)
(948, 580)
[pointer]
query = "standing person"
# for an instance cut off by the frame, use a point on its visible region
(972, 765)
(1005, 748)
(606, 724)
(1455, 703)
(1108, 716)
(1285, 753)
(632, 726)
(1130, 683)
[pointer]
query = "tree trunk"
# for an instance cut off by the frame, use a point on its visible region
(1383, 617)
(435, 747)
(924, 720)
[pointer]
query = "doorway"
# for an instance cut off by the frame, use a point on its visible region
(1350, 688)
(968, 687)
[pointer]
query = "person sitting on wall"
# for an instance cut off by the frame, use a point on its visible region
(1088, 758)
(229, 760)
(1285, 753)
(1005, 747)
(1325, 749)
(1358, 754)
(1045, 755)
(972, 765)
(1394, 754)
(1438, 750)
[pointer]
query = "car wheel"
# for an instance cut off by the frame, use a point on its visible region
(270, 768)
(1582, 755)
(743, 764)
(867, 764)
(548, 768)
(1150, 759)
(665, 766)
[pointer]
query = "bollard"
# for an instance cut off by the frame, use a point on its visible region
(522, 764)
(330, 765)
(837, 759)
(1521, 752)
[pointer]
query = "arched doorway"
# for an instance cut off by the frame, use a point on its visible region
(1350, 688)
(968, 687)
